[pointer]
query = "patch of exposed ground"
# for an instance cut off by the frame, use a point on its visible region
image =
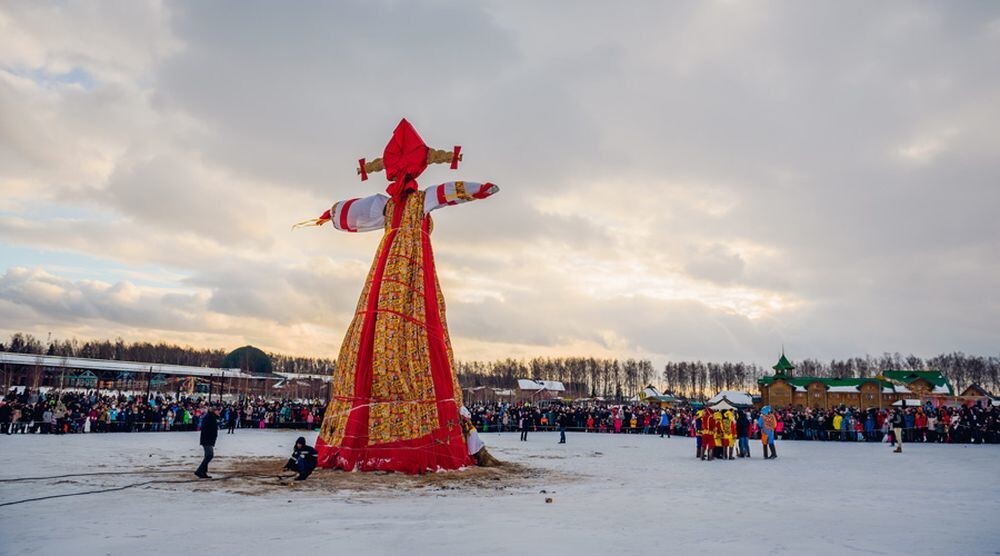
(263, 476)
(258, 476)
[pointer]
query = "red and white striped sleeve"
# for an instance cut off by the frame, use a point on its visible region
(456, 193)
(359, 215)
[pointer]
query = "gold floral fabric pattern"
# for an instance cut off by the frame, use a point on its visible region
(402, 404)
(342, 384)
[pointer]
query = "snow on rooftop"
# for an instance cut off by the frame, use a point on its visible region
(526, 384)
(734, 396)
(551, 385)
(60, 362)
(304, 376)
(852, 389)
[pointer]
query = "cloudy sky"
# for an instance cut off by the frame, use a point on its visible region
(678, 180)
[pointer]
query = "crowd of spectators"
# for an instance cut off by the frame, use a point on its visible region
(68, 412)
(33, 411)
(966, 424)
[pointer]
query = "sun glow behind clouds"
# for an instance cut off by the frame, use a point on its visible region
(630, 268)
(924, 149)
(601, 280)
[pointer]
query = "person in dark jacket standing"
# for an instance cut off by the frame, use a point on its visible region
(524, 424)
(563, 421)
(898, 422)
(5, 412)
(231, 421)
(303, 459)
(743, 433)
(209, 433)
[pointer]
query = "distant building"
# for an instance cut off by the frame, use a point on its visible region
(649, 391)
(650, 395)
(55, 371)
(484, 394)
(783, 389)
(533, 390)
(733, 398)
(978, 394)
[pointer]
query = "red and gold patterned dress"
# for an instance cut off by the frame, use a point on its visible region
(395, 398)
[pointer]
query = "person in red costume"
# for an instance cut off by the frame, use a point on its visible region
(394, 397)
(708, 434)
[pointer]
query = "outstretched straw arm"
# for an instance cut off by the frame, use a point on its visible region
(434, 156)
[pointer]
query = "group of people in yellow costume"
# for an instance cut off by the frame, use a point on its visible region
(720, 433)
(716, 434)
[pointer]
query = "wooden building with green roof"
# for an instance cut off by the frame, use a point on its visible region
(783, 389)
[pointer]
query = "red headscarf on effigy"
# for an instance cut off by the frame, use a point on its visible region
(405, 158)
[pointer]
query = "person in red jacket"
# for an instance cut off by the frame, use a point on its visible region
(946, 422)
(920, 421)
(707, 434)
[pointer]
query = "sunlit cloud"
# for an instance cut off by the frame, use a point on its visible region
(926, 148)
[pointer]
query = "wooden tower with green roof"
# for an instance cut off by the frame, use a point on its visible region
(783, 367)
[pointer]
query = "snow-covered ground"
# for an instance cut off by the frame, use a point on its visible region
(611, 494)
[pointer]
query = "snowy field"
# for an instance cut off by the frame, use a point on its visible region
(610, 494)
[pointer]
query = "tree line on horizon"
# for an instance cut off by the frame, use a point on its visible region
(582, 376)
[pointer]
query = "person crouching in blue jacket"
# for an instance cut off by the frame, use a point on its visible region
(303, 459)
